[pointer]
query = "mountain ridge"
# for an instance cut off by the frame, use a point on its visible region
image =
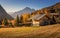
(25, 10)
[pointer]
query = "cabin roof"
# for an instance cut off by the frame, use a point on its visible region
(37, 16)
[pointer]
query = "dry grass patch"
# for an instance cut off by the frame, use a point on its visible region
(50, 31)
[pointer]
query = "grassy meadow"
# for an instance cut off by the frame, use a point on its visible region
(50, 31)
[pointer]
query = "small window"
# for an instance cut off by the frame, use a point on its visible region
(58, 9)
(52, 11)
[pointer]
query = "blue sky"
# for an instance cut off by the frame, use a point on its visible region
(16, 5)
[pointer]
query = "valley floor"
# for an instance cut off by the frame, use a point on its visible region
(50, 31)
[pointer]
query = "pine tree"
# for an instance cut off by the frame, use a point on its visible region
(17, 21)
(21, 19)
(5, 22)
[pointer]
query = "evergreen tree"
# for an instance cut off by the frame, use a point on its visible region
(21, 19)
(17, 21)
(5, 21)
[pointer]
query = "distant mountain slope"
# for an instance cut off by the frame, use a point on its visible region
(25, 10)
(3, 14)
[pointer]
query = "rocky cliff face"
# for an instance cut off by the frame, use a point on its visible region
(3, 14)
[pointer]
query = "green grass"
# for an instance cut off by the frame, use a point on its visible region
(50, 31)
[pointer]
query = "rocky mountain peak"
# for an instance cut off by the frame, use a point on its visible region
(25, 10)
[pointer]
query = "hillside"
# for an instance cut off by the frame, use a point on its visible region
(50, 31)
(53, 8)
(3, 14)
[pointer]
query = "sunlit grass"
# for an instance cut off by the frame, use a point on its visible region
(50, 31)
